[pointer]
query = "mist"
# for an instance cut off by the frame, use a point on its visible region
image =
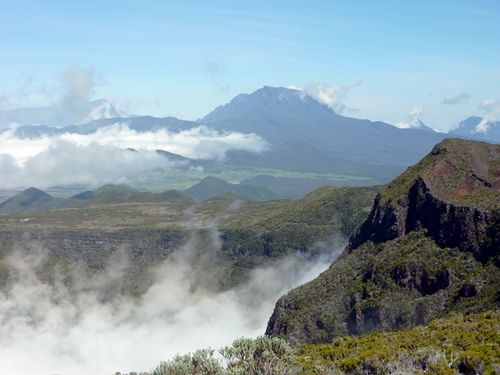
(53, 328)
(71, 159)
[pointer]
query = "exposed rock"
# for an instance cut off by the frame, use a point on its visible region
(430, 232)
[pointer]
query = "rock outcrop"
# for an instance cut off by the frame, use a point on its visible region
(430, 246)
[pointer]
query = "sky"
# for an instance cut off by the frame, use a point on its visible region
(390, 61)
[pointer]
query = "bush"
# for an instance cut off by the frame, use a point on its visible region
(261, 356)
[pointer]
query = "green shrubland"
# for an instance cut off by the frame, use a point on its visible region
(456, 345)
(461, 344)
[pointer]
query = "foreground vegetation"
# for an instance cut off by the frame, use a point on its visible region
(458, 345)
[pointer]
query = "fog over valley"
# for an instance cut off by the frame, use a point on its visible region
(89, 328)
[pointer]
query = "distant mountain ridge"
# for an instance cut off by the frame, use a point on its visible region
(59, 115)
(35, 200)
(243, 104)
(288, 115)
(478, 128)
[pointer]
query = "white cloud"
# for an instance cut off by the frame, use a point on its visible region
(490, 105)
(101, 157)
(457, 99)
(64, 163)
(78, 85)
(414, 122)
(331, 96)
(484, 125)
(69, 330)
(195, 143)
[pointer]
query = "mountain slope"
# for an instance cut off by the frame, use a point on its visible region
(210, 187)
(429, 247)
(33, 200)
(289, 115)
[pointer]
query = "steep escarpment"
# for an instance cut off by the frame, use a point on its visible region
(430, 246)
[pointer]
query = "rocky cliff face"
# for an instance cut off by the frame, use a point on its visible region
(429, 246)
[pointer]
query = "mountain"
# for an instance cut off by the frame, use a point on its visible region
(478, 128)
(34, 200)
(429, 248)
(289, 117)
(59, 115)
(280, 114)
(211, 187)
(414, 124)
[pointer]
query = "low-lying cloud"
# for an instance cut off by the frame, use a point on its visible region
(50, 328)
(331, 96)
(71, 159)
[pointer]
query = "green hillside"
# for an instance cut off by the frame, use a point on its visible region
(210, 187)
(230, 235)
(426, 250)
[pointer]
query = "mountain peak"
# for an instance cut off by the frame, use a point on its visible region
(261, 99)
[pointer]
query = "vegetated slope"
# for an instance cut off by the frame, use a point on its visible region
(249, 235)
(33, 200)
(429, 247)
(304, 157)
(210, 187)
(318, 224)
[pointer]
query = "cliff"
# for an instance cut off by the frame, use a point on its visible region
(429, 247)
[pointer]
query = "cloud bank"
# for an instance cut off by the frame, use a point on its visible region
(51, 328)
(331, 96)
(71, 159)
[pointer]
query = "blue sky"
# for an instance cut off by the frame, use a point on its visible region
(379, 60)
